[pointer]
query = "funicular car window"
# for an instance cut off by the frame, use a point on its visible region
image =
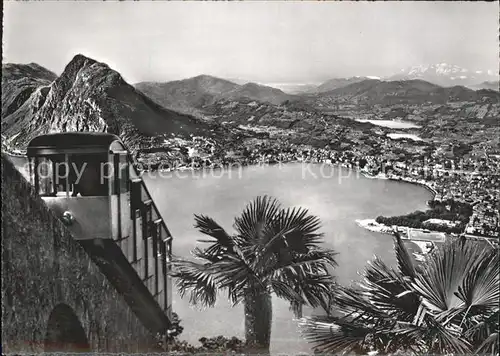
(124, 174)
(44, 175)
(89, 175)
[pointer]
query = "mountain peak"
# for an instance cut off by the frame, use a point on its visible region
(210, 79)
(89, 96)
(444, 74)
(205, 77)
(74, 66)
(80, 58)
(78, 62)
(193, 94)
(82, 69)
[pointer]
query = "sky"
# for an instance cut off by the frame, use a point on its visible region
(267, 42)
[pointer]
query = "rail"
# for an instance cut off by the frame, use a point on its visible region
(148, 194)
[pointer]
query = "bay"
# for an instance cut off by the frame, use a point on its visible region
(338, 196)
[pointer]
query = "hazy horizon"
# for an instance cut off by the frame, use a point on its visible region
(266, 42)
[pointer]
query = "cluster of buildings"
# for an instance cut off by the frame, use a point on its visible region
(172, 153)
(485, 220)
(473, 182)
(458, 157)
(472, 177)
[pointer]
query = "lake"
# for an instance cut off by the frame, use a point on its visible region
(398, 136)
(392, 124)
(336, 195)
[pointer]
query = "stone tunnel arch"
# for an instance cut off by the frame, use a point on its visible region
(65, 332)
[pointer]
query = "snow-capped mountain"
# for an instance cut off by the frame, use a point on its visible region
(488, 85)
(446, 75)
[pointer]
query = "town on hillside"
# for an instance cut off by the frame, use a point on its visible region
(250, 178)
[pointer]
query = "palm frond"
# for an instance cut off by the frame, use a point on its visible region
(390, 291)
(351, 301)
(196, 279)
(284, 290)
(273, 252)
(201, 254)
(481, 327)
(432, 336)
(448, 306)
(303, 229)
(332, 335)
(443, 340)
(405, 261)
(406, 336)
(443, 275)
(315, 261)
(291, 232)
(255, 218)
(210, 227)
(315, 289)
(237, 276)
(480, 288)
(304, 287)
(489, 345)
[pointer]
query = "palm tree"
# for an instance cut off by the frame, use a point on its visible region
(447, 304)
(274, 250)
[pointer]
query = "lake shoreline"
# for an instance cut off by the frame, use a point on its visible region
(385, 229)
(401, 179)
(372, 225)
(273, 163)
(357, 169)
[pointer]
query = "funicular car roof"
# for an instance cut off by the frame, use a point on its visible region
(68, 142)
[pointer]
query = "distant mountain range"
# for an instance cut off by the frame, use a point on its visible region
(446, 75)
(87, 96)
(415, 91)
(441, 74)
(90, 96)
(192, 94)
(495, 85)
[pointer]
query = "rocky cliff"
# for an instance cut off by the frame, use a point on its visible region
(87, 96)
(19, 81)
